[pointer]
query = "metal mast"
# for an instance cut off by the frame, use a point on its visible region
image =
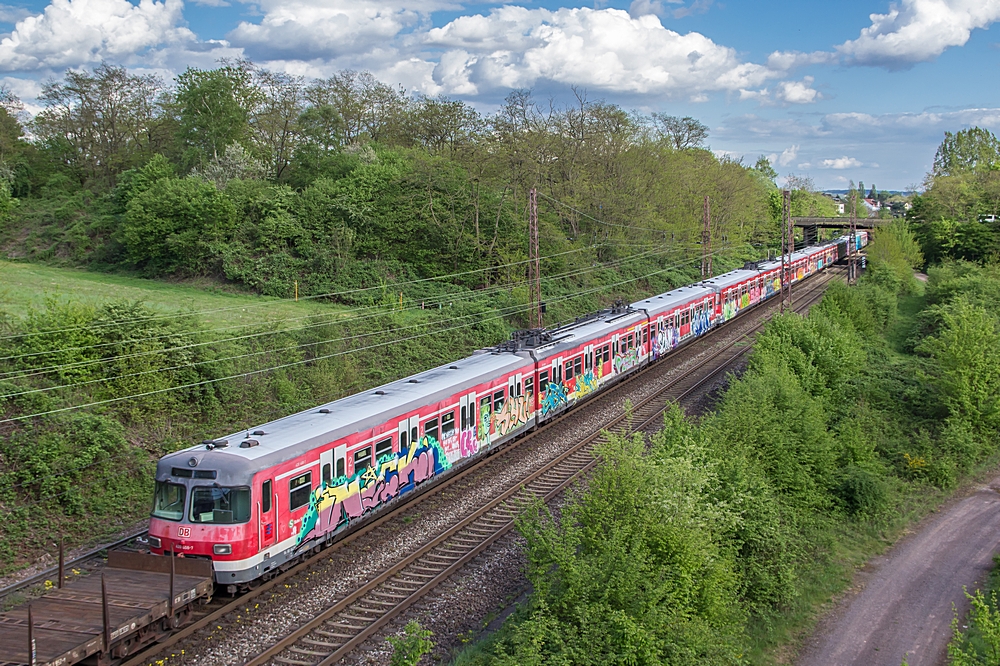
(787, 247)
(534, 262)
(851, 265)
(706, 241)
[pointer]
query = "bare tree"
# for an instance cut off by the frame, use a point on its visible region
(682, 133)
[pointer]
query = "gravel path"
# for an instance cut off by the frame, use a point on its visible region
(901, 602)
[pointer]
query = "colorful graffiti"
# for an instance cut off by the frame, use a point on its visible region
(555, 397)
(772, 287)
(333, 505)
(511, 416)
(588, 382)
(667, 338)
(468, 443)
(485, 418)
(626, 361)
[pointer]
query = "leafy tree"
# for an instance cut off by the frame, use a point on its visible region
(213, 108)
(764, 168)
(969, 150)
(171, 227)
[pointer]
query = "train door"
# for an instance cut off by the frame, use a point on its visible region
(326, 467)
(266, 509)
(340, 461)
(614, 353)
(588, 359)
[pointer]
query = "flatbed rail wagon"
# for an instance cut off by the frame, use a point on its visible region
(99, 619)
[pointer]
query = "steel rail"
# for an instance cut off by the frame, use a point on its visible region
(345, 625)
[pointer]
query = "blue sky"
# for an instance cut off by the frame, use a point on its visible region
(836, 90)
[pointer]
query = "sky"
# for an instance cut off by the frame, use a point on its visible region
(837, 90)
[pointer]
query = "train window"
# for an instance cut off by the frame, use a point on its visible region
(568, 370)
(327, 473)
(341, 472)
(168, 500)
(431, 429)
(413, 434)
(362, 459)
(607, 353)
(299, 490)
(222, 506)
(465, 418)
(403, 441)
(557, 376)
(543, 380)
(181, 473)
(383, 448)
(265, 496)
(447, 425)
(498, 400)
(529, 386)
(578, 366)
(206, 474)
(485, 405)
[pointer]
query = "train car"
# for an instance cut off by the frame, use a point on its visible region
(736, 291)
(576, 361)
(676, 316)
(258, 499)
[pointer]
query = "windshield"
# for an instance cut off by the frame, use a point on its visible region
(220, 505)
(168, 501)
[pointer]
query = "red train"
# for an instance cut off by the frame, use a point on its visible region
(256, 500)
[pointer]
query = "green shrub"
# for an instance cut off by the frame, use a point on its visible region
(861, 493)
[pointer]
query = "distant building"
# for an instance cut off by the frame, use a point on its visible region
(873, 205)
(840, 208)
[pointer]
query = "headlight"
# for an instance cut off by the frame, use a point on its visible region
(222, 549)
(154, 542)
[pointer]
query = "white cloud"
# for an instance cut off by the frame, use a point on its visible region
(11, 14)
(786, 60)
(797, 92)
(918, 30)
(70, 33)
(606, 49)
(844, 162)
(330, 29)
(787, 156)
(211, 3)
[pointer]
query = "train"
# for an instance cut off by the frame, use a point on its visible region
(256, 501)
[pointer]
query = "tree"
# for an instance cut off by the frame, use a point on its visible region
(682, 133)
(764, 168)
(971, 150)
(213, 107)
(170, 228)
(106, 116)
(273, 121)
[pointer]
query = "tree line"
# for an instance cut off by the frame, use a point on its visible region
(263, 178)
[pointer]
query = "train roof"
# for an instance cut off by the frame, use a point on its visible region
(669, 300)
(290, 436)
(720, 282)
(593, 327)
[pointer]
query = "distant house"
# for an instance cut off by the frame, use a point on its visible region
(840, 208)
(873, 205)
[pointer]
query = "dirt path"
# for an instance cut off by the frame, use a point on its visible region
(903, 602)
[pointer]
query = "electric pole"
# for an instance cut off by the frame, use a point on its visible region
(787, 247)
(851, 266)
(706, 241)
(534, 262)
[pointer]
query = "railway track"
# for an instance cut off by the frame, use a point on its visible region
(341, 628)
(544, 484)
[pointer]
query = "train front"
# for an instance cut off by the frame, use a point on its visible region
(203, 507)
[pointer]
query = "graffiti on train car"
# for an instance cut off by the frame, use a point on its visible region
(468, 442)
(512, 415)
(667, 338)
(555, 397)
(587, 383)
(626, 360)
(333, 505)
(700, 323)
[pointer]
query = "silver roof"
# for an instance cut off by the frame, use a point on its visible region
(669, 300)
(573, 335)
(728, 279)
(291, 436)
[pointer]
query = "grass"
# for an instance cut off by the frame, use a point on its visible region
(25, 286)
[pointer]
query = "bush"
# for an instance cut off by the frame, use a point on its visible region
(861, 493)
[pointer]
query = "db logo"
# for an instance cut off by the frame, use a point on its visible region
(183, 532)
